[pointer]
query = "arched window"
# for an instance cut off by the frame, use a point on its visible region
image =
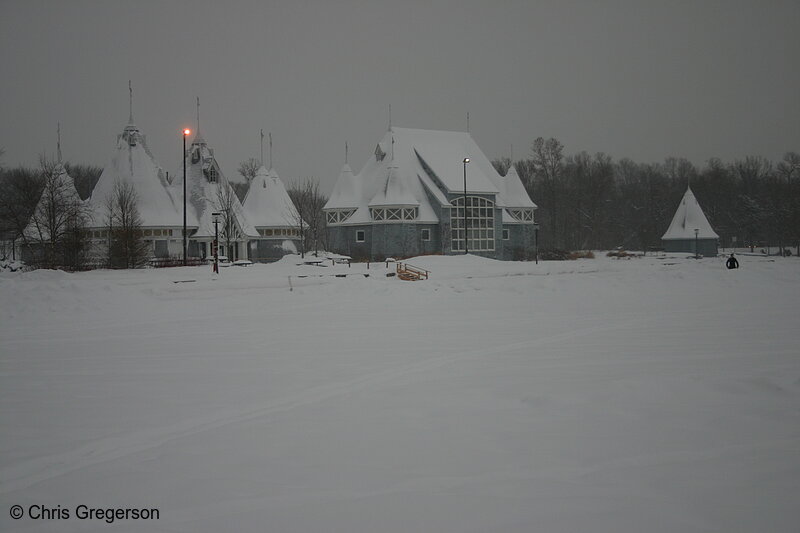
(479, 222)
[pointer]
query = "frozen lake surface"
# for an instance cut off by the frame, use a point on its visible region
(656, 394)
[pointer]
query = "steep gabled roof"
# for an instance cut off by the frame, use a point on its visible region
(688, 217)
(267, 203)
(131, 161)
(207, 197)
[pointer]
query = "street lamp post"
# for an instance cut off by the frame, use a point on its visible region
(466, 235)
(216, 242)
(186, 133)
(696, 249)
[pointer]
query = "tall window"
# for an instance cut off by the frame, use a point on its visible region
(480, 224)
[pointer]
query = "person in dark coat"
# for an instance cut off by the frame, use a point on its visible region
(732, 262)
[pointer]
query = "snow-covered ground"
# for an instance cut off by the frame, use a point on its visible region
(656, 394)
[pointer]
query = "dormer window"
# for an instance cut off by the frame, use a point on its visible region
(195, 155)
(379, 153)
(211, 174)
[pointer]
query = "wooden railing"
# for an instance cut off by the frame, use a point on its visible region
(408, 272)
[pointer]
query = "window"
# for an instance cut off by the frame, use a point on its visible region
(394, 214)
(480, 224)
(426, 234)
(211, 173)
(339, 215)
(506, 234)
(523, 215)
(360, 236)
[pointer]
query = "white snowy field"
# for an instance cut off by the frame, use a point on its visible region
(651, 394)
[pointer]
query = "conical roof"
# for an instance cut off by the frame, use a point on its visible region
(393, 191)
(267, 203)
(688, 217)
(63, 189)
(513, 191)
(345, 193)
(131, 161)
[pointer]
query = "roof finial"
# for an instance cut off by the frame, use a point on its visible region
(198, 115)
(512, 153)
(130, 103)
(390, 117)
(270, 150)
(262, 147)
(59, 142)
(392, 147)
(467, 121)
(345, 152)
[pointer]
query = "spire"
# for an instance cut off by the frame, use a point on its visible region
(59, 142)
(467, 121)
(130, 103)
(392, 147)
(262, 147)
(345, 152)
(512, 153)
(270, 150)
(390, 117)
(198, 115)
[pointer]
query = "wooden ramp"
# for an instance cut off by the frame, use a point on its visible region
(408, 272)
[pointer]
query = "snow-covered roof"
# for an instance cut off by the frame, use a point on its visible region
(419, 160)
(513, 191)
(345, 192)
(393, 192)
(63, 189)
(131, 161)
(206, 197)
(267, 203)
(688, 217)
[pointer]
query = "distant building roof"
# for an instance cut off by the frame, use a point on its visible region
(688, 217)
(411, 166)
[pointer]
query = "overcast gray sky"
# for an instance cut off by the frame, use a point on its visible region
(639, 79)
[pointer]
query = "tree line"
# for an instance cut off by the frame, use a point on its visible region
(593, 202)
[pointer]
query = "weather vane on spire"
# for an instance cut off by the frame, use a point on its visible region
(198, 115)
(130, 102)
(58, 144)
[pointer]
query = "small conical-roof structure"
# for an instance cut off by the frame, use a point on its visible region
(513, 191)
(345, 192)
(59, 188)
(688, 217)
(267, 203)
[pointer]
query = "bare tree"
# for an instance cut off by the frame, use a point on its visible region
(57, 226)
(308, 202)
(126, 246)
(789, 167)
(226, 205)
(248, 168)
(548, 162)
